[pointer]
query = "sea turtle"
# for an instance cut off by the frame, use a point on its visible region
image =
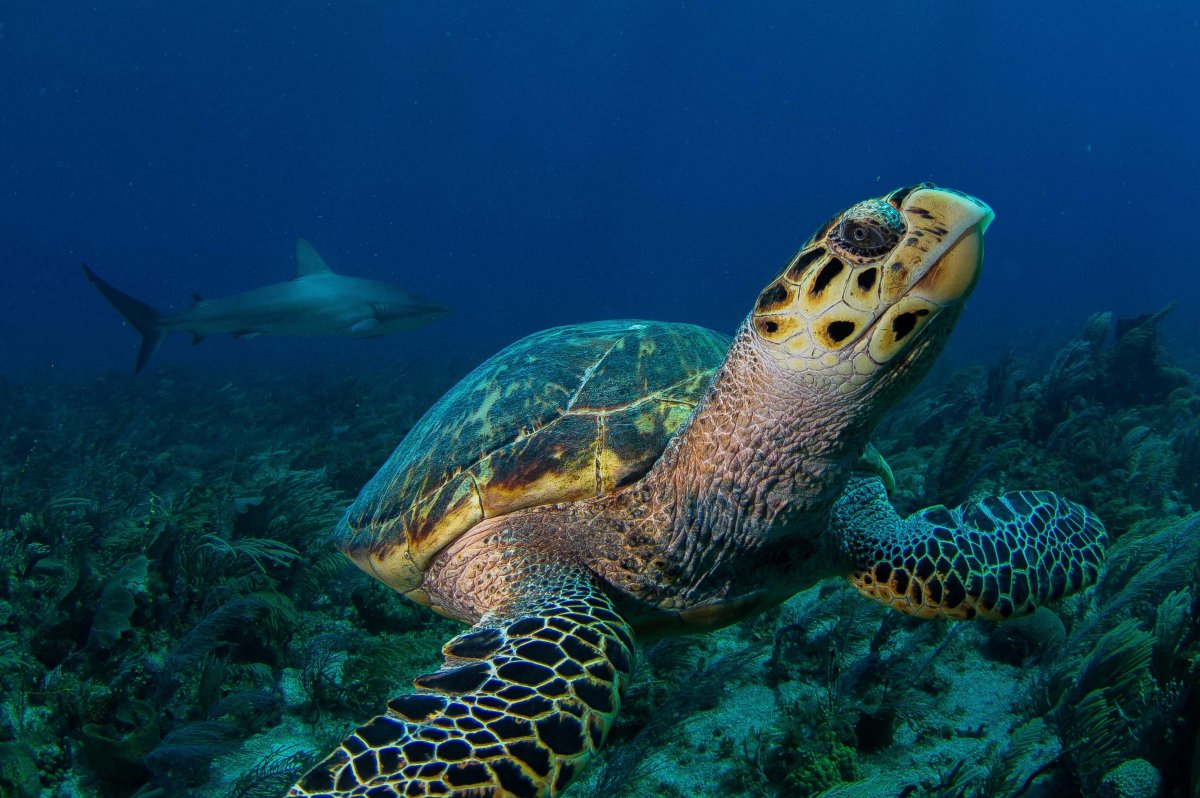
(594, 484)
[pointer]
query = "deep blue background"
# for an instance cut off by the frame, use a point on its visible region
(540, 163)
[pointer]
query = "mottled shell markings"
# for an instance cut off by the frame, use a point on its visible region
(565, 414)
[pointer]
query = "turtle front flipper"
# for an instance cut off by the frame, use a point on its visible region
(994, 557)
(526, 697)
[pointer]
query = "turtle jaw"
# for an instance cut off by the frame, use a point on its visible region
(928, 277)
(875, 291)
(943, 252)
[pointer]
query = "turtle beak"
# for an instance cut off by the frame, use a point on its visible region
(986, 222)
(949, 227)
(933, 270)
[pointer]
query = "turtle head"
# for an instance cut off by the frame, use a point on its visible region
(868, 302)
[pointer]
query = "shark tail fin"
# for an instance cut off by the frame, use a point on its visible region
(145, 319)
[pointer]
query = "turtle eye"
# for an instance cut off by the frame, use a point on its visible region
(869, 230)
(864, 234)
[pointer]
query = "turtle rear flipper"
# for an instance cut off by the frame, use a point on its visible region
(995, 557)
(526, 697)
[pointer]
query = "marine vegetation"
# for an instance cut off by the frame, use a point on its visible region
(174, 620)
(164, 581)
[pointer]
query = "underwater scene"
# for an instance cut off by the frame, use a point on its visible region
(600, 399)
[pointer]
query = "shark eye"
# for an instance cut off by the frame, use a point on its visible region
(868, 230)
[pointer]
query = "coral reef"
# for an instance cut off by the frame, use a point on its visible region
(173, 620)
(167, 592)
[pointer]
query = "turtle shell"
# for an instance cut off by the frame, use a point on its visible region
(562, 415)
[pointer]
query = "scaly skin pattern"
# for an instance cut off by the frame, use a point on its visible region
(524, 701)
(994, 558)
(732, 518)
(725, 520)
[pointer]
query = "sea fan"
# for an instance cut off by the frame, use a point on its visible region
(1173, 625)
(235, 613)
(272, 774)
(184, 756)
(116, 603)
(1117, 666)
(256, 550)
(1071, 373)
(1025, 755)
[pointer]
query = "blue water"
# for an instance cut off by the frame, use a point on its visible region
(530, 165)
(539, 163)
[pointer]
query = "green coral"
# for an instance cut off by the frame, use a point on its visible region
(815, 769)
(18, 771)
(1135, 778)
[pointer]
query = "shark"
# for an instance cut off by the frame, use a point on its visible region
(317, 301)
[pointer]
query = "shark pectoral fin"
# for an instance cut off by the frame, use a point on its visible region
(246, 333)
(365, 327)
(197, 338)
(308, 262)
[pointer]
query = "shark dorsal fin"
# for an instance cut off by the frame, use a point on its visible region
(308, 262)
